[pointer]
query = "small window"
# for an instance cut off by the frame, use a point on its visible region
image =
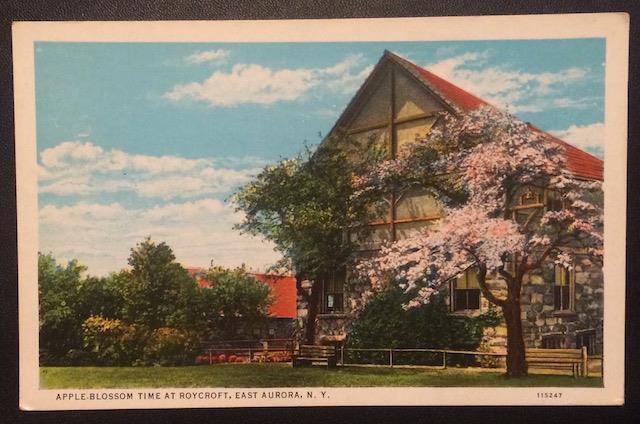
(587, 338)
(562, 289)
(528, 201)
(553, 201)
(466, 291)
(529, 197)
(553, 341)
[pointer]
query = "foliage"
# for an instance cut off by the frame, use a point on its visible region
(60, 325)
(487, 361)
(113, 342)
(170, 346)
(101, 296)
(157, 291)
(385, 323)
(488, 156)
(503, 156)
(304, 205)
(237, 301)
(151, 314)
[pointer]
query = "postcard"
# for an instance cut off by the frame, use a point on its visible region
(410, 211)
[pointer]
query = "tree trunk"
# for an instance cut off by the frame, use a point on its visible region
(516, 362)
(312, 299)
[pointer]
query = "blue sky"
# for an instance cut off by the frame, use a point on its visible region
(138, 139)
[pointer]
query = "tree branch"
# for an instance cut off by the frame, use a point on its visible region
(482, 274)
(545, 253)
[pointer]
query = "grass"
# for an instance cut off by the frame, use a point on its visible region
(282, 375)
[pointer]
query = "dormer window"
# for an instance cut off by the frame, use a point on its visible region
(528, 201)
(530, 197)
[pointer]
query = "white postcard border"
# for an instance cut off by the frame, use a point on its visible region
(612, 26)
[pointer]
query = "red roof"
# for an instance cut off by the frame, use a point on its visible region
(283, 289)
(463, 99)
(194, 270)
(199, 275)
(203, 283)
(579, 162)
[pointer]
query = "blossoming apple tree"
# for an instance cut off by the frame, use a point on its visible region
(477, 166)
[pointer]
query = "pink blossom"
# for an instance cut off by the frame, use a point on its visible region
(491, 155)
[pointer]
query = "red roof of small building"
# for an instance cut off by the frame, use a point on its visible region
(579, 162)
(199, 275)
(283, 290)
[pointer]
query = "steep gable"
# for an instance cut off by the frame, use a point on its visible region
(433, 93)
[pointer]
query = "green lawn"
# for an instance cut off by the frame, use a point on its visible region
(282, 375)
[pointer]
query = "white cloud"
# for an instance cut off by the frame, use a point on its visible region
(348, 83)
(252, 83)
(83, 168)
(246, 84)
(101, 235)
(516, 90)
(207, 56)
(586, 137)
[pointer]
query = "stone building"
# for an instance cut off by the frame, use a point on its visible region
(397, 103)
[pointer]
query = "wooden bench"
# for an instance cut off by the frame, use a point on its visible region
(574, 360)
(310, 354)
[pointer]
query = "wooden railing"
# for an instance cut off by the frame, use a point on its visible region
(446, 354)
(392, 356)
(390, 353)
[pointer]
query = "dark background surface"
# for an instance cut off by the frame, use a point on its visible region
(34, 10)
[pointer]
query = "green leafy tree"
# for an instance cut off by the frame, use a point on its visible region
(237, 301)
(158, 291)
(60, 321)
(304, 205)
(100, 296)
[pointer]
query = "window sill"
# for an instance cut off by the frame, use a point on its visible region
(564, 313)
(465, 313)
(335, 315)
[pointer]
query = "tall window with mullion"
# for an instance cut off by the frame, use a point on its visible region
(465, 291)
(333, 291)
(563, 288)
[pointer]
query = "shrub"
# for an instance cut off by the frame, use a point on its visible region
(487, 361)
(170, 346)
(384, 323)
(111, 341)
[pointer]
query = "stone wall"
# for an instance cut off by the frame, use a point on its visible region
(331, 329)
(539, 317)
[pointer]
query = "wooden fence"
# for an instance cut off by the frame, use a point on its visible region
(258, 349)
(445, 354)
